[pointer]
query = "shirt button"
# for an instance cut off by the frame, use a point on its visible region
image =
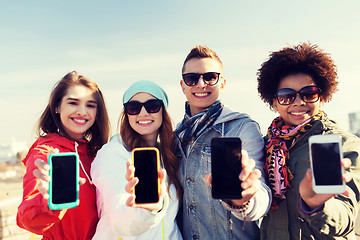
(189, 180)
(191, 206)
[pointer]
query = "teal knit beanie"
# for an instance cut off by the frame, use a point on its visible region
(147, 87)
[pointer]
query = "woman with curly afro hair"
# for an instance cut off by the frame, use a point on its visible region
(295, 82)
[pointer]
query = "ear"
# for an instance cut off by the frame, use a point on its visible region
(321, 103)
(275, 104)
(182, 84)
(222, 84)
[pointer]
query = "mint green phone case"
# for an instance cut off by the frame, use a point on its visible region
(64, 180)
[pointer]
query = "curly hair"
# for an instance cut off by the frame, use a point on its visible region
(304, 58)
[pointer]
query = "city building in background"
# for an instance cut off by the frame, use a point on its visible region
(9, 153)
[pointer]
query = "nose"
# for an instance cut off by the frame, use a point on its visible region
(201, 83)
(81, 110)
(298, 100)
(143, 111)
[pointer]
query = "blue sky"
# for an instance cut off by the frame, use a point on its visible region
(118, 42)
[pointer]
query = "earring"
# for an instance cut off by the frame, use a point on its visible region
(56, 111)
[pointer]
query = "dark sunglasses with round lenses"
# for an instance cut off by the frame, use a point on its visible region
(210, 78)
(308, 94)
(151, 106)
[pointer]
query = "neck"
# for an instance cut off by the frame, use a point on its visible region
(150, 139)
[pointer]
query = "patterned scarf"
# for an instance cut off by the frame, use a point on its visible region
(193, 126)
(281, 138)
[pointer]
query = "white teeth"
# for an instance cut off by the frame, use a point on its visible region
(298, 113)
(79, 120)
(200, 94)
(144, 122)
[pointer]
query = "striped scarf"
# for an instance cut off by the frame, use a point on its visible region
(192, 127)
(281, 138)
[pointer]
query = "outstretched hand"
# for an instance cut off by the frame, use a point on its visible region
(314, 200)
(133, 181)
(43, 177)
(249, 177)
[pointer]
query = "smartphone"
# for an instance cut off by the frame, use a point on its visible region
(226, 167)
(147, 165)
(325, 159)
(64, 180)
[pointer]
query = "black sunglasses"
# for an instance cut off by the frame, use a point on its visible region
(210, 78)
(151, 106)
(308, 94)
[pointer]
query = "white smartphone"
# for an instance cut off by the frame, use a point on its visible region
(325, 158)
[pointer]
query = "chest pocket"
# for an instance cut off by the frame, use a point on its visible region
(206, 159)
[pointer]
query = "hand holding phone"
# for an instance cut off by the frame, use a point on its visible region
(64, 180)
(146, 162)
(226, 167)
(325, 158)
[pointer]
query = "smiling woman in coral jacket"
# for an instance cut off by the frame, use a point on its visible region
(75, 120)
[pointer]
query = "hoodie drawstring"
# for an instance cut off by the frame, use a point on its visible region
(81, 165)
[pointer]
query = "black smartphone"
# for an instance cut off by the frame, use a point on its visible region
(226, 167)
(325, 159)
(64, 180)
(146, 163)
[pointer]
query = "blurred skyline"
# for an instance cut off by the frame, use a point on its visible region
(116, 43)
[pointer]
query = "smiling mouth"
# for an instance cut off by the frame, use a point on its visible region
(145, 122)
(79, 121)
(202, 94)
(298, 113)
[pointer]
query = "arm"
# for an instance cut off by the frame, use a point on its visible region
(108, 173)
(337, 214)
(33, 213)
(253, 143)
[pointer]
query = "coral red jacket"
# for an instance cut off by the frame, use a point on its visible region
(33, 213)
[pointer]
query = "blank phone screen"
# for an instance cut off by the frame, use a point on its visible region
(64, 179)
(145, 163)
(225, 168)
(326, 163)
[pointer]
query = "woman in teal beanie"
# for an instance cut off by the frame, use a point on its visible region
(144, 122)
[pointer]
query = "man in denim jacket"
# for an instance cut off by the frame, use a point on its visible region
(205, 118)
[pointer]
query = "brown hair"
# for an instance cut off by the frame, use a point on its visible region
(49, 122)
(304, 58)
(167, 145)
(201, 52)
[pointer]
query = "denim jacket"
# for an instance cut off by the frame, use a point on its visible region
(207, 218)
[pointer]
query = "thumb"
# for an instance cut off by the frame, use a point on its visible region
(307, 180)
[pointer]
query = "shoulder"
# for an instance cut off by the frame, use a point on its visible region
(42, 146)
(232, 121)
(112, 150)
(232, 117)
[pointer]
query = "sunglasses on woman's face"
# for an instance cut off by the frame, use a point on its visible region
(210, 78)
(151, 106)
(308, 94)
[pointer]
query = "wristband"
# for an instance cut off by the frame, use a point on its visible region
(229, 206)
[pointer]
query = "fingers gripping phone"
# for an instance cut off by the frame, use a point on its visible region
(226, 167)
(147, 165)
(64, 180)
(325, 157)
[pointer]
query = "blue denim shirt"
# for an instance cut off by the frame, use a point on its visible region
(203, 216)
